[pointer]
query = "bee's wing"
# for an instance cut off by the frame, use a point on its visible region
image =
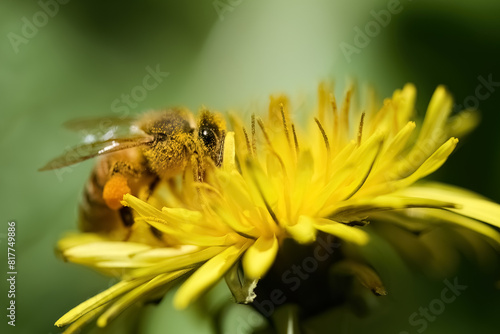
(87, 151)
(103, 128)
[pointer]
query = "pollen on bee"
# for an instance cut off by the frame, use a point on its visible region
(114, 190)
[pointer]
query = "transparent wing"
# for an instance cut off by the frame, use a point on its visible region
(87, 151)
(103, 128)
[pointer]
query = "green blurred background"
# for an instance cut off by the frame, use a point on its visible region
(225, 55)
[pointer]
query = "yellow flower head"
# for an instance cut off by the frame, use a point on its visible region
(281, 179)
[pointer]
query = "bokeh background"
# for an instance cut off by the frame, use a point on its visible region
(228, 55)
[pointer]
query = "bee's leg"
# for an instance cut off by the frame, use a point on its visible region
(118, 183)
(156, 232)
(126, 216)
(127, 219)
(126, 168)
(197, 165)
(114, 190)
(220, 154)
(152, 187)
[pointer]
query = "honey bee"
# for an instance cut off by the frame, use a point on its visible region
(137, 153)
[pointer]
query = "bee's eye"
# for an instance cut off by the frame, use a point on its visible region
(208, 136)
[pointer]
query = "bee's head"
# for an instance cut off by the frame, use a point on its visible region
(173, 131)
(166, 124)
(211, 132)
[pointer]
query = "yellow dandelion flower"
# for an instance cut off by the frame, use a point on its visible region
(280, 181)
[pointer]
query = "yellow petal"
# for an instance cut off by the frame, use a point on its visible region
(453, 218)
(176, 263)
(351, 176)
(235, 223)
(469, 205)
(123, 255)
(238, 209)
(143, 208)
(157, 254)
(76, 239)
(207, 275)
(463, 123)
(181, 216)
(260, 256)
(260, 181)
(436, 160)
(228, 161)
(357, 209)
(136, 294)
(102, 251)
(406, 104)
(161, 225)
(304, 173)
(303, 231)
(98, 300)
(437, 113)
(433, 132)
(411, 170)
(344, 232)
(77, 325)
(397, 144)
